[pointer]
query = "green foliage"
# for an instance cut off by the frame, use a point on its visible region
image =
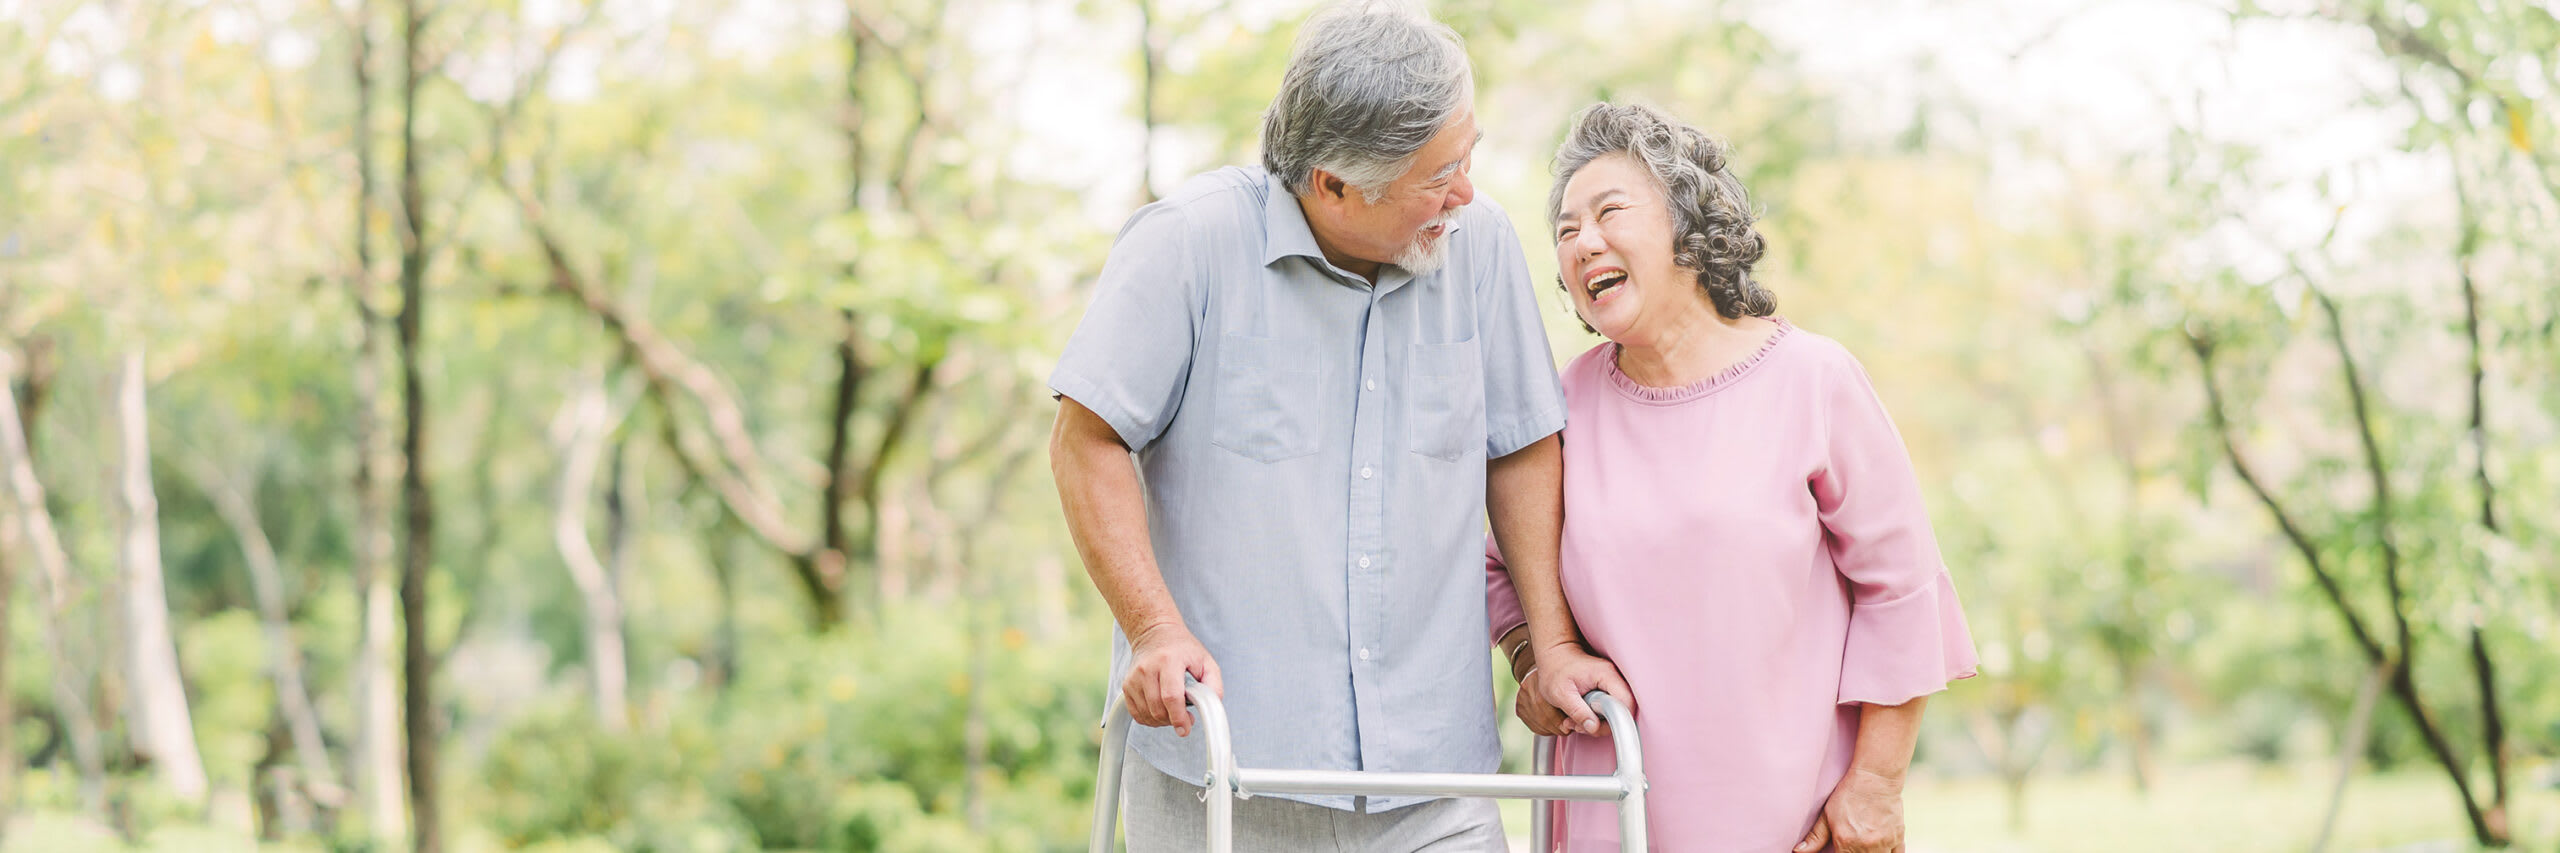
(231, 700)
(719, 174)
(848, 741)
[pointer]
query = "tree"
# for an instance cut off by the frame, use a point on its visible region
(580, 431)
(35, 519)
(422, 721)
(163, 733)
(374, 760)
(317, 779)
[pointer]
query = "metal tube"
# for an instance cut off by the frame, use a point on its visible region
(1376, 784)
(1106, 778)
(1630, 775)
(1209, 717)
(1542, 830)
(1226, 783)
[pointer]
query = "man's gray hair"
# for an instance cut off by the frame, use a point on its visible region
(1711, 213)
(1369, 84)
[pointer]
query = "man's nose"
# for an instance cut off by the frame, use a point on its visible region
(1461, 192)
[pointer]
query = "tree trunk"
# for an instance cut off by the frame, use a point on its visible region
(8, 711)
(163, 731)
(2404, 678)
(618, 532)
(2137, 725)
(2484, 672)
(579, 433)
(825, 581)
(2013, 735)
(417, 503)
(373, 762)
(1150, 64)
(9, 763)
(2403, 686)
(70, 691)
(284, 655)
(2351, 748)
(21, 423)
(833, 562)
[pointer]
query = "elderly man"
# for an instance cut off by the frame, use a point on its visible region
(1313, 363)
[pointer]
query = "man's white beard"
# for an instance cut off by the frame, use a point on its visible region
(1427, 254)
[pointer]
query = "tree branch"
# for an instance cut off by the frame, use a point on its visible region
(2203, 348)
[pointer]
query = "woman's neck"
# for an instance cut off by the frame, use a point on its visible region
(1690, 346)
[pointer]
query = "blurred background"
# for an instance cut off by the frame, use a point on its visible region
(635, 408)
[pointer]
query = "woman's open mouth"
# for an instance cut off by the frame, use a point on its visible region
(1603, 281)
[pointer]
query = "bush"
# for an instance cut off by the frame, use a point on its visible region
(848, 741)
(860, 742)
(555, 777)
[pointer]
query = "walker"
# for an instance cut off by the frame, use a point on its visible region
(1626, 787)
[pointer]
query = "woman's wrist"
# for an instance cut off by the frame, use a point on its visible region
(1515, 647)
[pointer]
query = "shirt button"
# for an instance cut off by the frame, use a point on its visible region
(1365, 472)
(1364, 654)
(1373, 384)
(1364, 562)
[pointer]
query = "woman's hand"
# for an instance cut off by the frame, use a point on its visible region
(1565, 672)
(1533, 709)
(1864, 815)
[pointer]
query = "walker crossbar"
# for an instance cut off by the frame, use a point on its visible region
(1626, 787)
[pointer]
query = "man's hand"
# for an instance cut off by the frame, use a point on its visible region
(1565, 672)
(1163, 654)
(1864, 815)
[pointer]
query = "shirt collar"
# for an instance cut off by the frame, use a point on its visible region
(1285, 233)
(1285, 230)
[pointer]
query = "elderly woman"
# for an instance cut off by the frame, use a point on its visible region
(1744, 537)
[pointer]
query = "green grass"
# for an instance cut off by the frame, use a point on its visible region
(2216, 807)
(2223, 807)
(2220, 807)
(55, 832)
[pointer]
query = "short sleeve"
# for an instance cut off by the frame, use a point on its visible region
(1523, 401)
(1502, 609)
(1907, 632)
(1131, 354)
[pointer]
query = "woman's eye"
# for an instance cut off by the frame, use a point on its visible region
(1566, 234)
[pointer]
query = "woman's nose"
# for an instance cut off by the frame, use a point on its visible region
(1587, 242)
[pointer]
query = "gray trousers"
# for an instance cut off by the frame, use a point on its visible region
(1167, 815)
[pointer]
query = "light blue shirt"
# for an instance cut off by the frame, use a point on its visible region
(1313, 451)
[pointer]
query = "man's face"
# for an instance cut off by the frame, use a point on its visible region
(1409, 226)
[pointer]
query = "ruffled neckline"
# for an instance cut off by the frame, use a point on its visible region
(1722, 379)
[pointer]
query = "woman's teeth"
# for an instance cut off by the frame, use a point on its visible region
(1602, 282)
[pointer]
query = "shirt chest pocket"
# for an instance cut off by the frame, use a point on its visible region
(1445, 384)
(1267, 398)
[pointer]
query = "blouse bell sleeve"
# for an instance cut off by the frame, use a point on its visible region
(1907, 632)
(1501, 603)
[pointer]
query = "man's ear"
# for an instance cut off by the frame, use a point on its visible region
(1327, 183)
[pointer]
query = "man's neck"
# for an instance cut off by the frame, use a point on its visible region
(1367, 270)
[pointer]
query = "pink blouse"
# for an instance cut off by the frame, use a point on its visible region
(1751, 551)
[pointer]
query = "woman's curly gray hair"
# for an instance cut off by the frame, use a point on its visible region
(1710, 211)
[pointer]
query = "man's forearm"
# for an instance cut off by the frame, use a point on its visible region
(1524, 494)
(1886, 736)
(1107, 516)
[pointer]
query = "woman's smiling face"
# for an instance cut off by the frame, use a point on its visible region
(1613, 250)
